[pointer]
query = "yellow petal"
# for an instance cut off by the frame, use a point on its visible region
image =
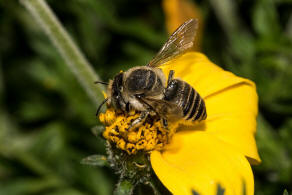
(200, 161)
(231, 101)
(232, 117)
(199, 71)
(179, 11)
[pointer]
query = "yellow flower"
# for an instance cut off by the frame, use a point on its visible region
(216, 151)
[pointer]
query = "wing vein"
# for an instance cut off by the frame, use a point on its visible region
(181, 41)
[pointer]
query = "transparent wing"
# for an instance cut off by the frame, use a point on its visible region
(178, 43)
(163, 108)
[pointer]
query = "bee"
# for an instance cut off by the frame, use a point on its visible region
(146, 90)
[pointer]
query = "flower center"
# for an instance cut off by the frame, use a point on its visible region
(151, 135)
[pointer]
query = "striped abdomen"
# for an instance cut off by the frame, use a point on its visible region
(187, 99)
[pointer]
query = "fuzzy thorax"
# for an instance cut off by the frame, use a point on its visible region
(151, 135)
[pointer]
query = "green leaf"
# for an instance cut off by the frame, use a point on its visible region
(125, 187)
(194, 192)
(97, 130)
(265, 19)
(75, 60)
(285, 192)
(95, 160)
(220, 190)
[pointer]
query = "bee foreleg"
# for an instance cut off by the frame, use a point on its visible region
(138, 121)
(170, 76)
(100, 106)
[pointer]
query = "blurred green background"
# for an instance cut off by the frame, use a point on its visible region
(45, 115)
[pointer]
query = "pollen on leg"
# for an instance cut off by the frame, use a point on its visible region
(151, 135)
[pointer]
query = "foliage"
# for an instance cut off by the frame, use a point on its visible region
(46, 116)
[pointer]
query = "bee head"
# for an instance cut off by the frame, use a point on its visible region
(115, 92)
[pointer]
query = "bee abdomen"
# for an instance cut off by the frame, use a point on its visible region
(187, 99)
(198, 110)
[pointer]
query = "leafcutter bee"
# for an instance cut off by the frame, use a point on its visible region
(146, 90)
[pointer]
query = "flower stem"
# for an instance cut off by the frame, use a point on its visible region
(69, 51)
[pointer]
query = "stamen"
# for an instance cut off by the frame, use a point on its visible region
(151, 135)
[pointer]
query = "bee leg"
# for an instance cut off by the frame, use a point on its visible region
(164, 123)
(138, 121)
(127, 107)
(100, 106)
(170, 76)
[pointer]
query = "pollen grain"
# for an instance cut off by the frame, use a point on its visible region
(151, 135)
